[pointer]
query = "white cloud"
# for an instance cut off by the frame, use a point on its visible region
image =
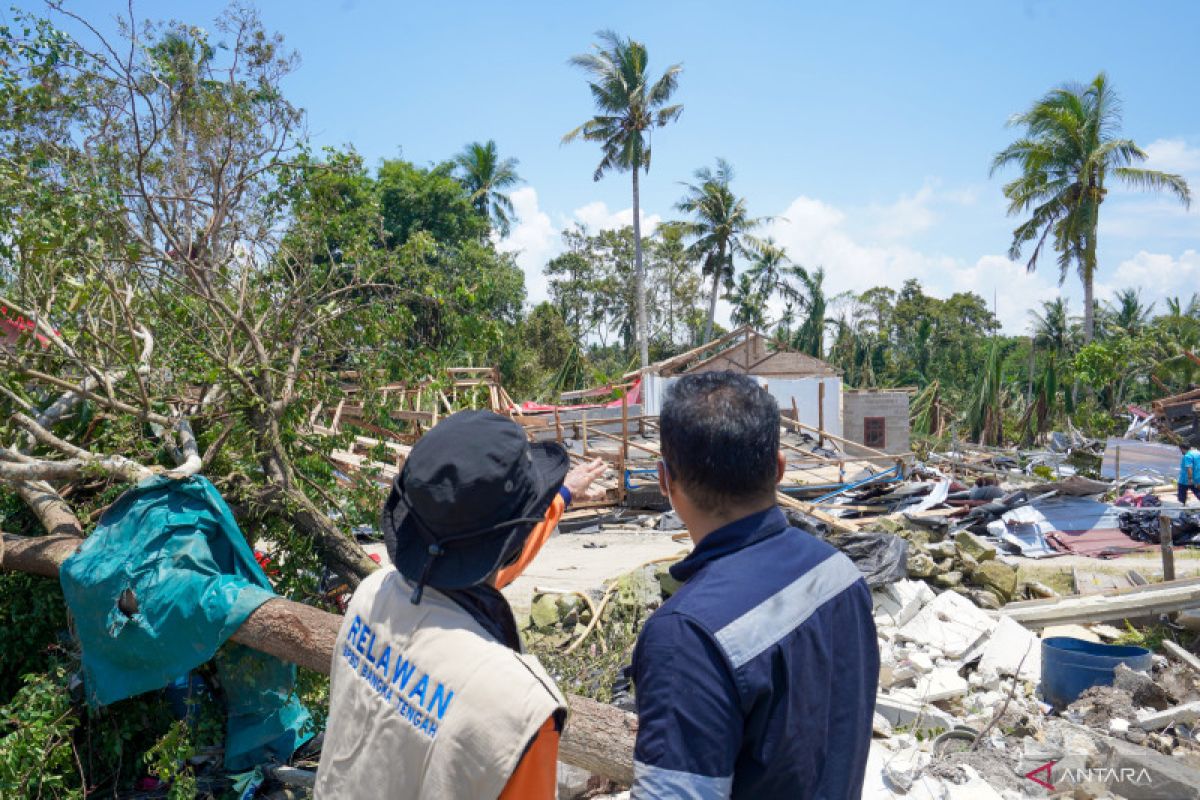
(815, 235)
(914, 213)
(595, 216)
(908, 215)
(534, 240)
(1173, 155)
(1157, 275)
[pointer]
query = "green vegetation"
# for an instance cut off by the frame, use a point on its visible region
(184, 252)
(1069, 149)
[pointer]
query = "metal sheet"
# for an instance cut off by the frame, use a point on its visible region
(1140, 458)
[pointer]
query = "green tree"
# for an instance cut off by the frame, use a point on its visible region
(1053, 328)
(1069, 148)
(749, 302)
(768, 265)
(675, 276)
(630, 106)
(719, 229)
(487, 177)
(808, 292)
(1127, 316)
(416, 199)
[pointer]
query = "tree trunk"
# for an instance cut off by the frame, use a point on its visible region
(597, 737)
(343, 554)
(1089, 311)
(712, 305)
(639, 277)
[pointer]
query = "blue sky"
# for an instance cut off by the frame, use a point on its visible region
(864, 128)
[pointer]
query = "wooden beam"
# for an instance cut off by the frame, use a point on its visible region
(670, 363)
(1155, 598)
(597, 737)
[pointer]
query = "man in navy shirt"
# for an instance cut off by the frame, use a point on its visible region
(757, 678)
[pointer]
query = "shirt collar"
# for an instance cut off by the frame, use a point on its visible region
(728, 539)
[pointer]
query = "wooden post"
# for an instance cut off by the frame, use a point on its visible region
(1164, 543)
(1118, 460)
(624, 429)
(583, 432)
(557, 426)
(621, 479)
(820, 413)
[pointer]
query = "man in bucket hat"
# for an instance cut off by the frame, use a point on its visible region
(430, 693)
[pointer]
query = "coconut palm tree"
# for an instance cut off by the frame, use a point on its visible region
(487, 176)
(1177, 307)
(719, 229)
(1054, 329)
(1127, 316)
(630, 106)
(1069, 149)
(749, 303)
(809, 294)
(767, 267)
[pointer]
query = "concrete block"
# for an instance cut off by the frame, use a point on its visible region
(1157, 720)
(1009, 643)
(943, 683)
(901, 712)
(1139, 773)
(903, 599)
(951, 624)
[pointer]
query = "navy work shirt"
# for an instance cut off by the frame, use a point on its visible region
(757, 678)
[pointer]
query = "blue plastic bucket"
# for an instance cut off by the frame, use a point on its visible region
(1072, 666)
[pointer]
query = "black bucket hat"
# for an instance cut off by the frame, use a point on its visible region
(466, 499)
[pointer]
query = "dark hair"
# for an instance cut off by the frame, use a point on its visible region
(720, 438)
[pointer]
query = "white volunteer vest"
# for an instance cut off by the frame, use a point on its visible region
(423, 703)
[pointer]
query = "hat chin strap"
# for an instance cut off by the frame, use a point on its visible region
(435, 550)
(437, 547)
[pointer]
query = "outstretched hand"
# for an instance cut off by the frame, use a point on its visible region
(579, 481)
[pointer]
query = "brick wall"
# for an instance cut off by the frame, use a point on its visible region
(857, 406)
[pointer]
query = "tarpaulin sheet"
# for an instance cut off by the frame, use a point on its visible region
(1097, 543)
(161, 583)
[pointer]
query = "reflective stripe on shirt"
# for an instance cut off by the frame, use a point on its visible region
(653, 783)
(784, 611)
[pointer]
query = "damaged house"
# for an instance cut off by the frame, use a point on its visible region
(806, 388)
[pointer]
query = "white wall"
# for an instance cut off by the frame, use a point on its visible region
(804, 390)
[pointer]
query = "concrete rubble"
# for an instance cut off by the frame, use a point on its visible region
(947, 664)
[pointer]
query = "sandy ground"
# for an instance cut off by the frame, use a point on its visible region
(1149, 564)
(584, 561)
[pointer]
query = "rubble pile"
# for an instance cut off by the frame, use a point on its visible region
(965, 563)
(959, 714)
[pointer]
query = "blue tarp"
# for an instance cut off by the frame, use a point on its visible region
(161, 583)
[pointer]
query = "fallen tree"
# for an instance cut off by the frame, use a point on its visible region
(598, 738)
